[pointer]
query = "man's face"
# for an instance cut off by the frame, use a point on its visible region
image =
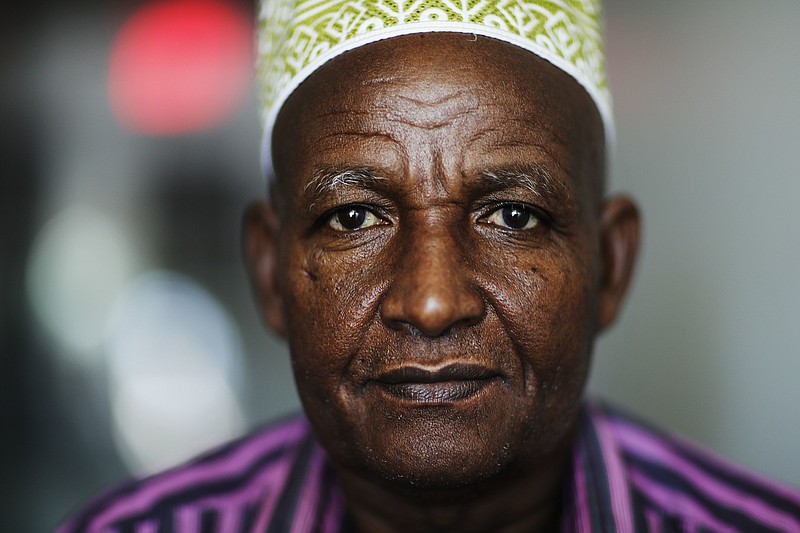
(438, 258)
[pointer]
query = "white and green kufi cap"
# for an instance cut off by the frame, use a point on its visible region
(296, 37)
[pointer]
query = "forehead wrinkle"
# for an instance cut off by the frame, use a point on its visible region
(333, 141)
(359, 133)
(338, 112)
(483, 132)
(438, 111)
(432, 123)
(549, 133)
(449, 97)
(499, 136)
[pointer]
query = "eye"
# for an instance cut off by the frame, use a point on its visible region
(352, 218)
(513, 216)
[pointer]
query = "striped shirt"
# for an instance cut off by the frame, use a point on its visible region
(624, 477)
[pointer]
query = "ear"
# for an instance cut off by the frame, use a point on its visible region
(260, 232)
(619, 235)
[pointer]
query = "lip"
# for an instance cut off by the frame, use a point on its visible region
(451, 383)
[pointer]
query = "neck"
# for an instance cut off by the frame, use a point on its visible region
(529, 502)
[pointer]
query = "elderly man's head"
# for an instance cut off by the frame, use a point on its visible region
(440, 257)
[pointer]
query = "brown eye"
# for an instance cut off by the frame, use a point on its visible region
(352, 218)
(513, 216)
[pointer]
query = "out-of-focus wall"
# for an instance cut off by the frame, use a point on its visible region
(124, 293)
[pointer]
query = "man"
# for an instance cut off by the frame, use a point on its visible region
(439, 252)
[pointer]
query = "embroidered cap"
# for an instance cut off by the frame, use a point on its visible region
(296, 37)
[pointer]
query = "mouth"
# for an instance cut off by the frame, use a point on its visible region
(452, 383)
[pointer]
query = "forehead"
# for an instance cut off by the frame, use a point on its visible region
(397, 101)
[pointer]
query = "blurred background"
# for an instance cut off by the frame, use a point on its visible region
(130, 146)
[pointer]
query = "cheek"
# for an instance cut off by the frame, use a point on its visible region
(330, 306)
(330, 301)
(549, 316)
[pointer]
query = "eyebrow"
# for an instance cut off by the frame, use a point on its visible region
(537, 180)
(329, 180)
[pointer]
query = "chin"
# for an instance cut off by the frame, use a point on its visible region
(438, 470)
(433, 450)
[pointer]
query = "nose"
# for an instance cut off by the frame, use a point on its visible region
(430, 291)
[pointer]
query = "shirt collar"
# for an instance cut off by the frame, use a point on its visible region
(597, 492)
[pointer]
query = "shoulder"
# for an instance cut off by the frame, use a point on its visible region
(673, 481)
(230, 484)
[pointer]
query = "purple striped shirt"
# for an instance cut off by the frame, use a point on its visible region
(624, 477)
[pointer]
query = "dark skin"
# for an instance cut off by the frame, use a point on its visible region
(440, 257)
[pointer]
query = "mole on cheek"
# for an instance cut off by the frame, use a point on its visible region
(310, 268)
(538, 275)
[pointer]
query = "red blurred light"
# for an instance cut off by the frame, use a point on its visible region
(180, 66)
